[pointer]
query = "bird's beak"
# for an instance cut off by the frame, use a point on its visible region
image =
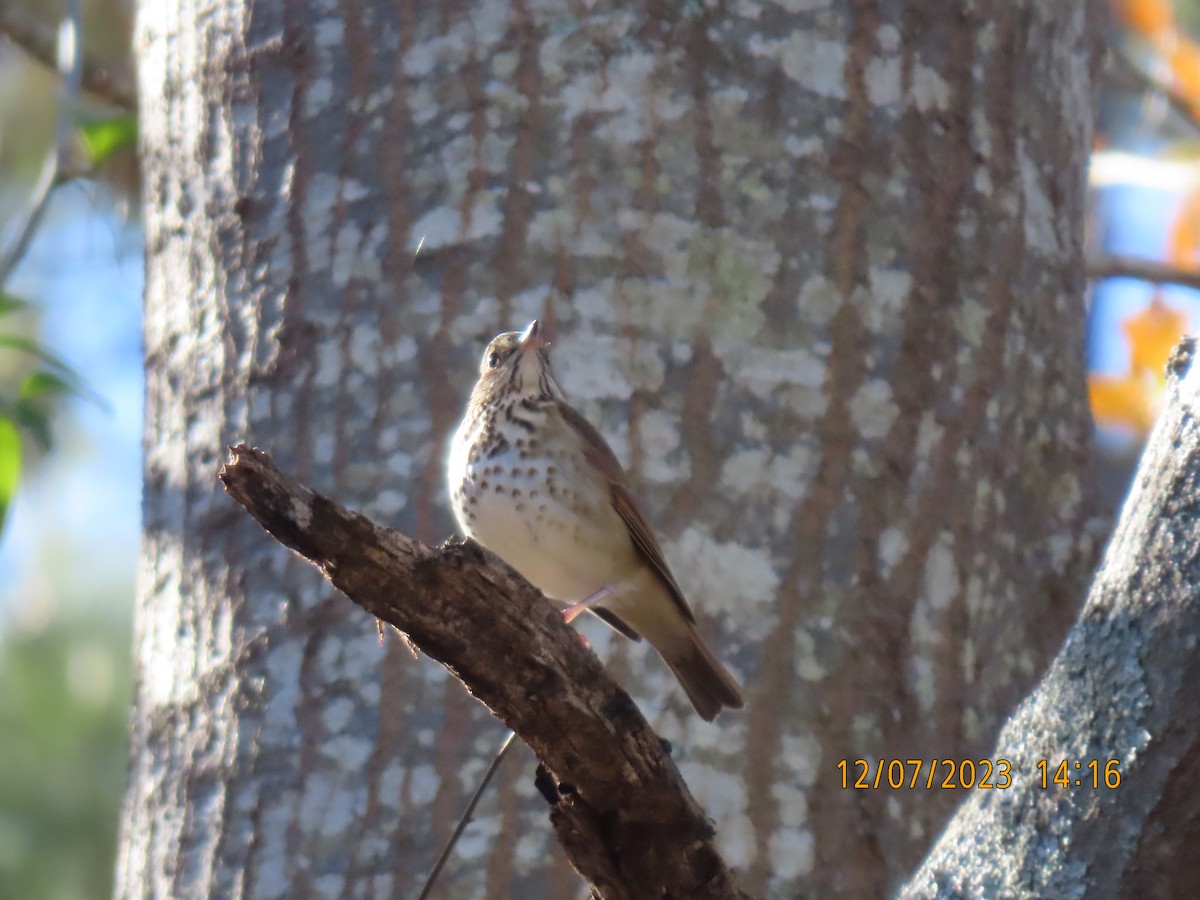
(529, 337)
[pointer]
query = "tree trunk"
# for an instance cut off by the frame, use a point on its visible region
(1105, 753)
(814, 269)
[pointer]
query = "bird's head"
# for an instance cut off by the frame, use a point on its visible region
(519, 362)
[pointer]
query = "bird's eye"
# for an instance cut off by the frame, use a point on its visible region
(493, 359)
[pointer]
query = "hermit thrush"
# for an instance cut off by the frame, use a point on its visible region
(535, 483)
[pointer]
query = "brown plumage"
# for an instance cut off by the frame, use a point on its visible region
(534, 482)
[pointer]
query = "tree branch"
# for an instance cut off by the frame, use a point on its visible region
(1125, 72)
(69, 66)
(1145, 269)
(39, 40)
(1123, 688)
(619, 806)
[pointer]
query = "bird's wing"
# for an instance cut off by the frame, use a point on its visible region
(597, 451)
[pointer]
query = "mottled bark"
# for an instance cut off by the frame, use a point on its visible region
(1120, 694)
(813, 267)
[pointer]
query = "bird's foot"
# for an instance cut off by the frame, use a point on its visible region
(571, 613)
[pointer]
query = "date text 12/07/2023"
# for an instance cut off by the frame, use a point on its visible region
(967, 774)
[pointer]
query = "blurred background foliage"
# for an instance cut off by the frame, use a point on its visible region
(64, 693)
(70, 400)
(71, 390)
(1144, 225)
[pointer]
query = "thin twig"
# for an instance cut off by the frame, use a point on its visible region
(1144, 269)
(111, 84)
(70, 35)
(1121, 66)
(466, 816)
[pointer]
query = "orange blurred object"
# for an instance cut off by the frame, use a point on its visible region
(1184, 60)
(1150, 18)
(1153, 334)
(1124, 402)
(1183, 239)
(1132, 400)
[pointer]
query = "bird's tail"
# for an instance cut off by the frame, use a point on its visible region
(706, 682)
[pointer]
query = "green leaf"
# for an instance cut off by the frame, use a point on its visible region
(10, 465)
(63, 378)
(44, 384)
(31, 412)
(9, 303)
(36, 420)
(104, 137)
(33, 348)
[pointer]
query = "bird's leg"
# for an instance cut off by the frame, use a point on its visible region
(572, 612)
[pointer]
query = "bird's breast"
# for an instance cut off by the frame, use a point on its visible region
(537, 507)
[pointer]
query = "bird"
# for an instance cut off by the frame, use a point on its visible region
(535, 483)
